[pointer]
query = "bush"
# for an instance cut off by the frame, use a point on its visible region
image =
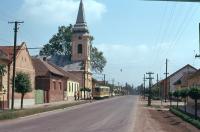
(186, 117)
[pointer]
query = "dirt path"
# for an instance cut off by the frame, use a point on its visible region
(154, 120)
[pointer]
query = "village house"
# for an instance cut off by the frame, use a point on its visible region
(50, 82)
(194, 80)
(4, 80)
(182, 82)
(72, 90)
(171, 83)
(79, 64)
(23, 64)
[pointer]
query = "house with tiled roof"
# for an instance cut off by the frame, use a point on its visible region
(174, 78)
(23, 64)
(193, 81)
(50, 82)
(72, 90)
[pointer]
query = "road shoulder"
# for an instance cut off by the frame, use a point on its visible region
(156, 119)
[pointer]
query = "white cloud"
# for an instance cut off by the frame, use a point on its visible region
(60, 11)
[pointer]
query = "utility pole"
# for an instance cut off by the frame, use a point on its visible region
(198, 55)
(16, 23)
(113, 85)
(166, 83)
(144, 79)
(150, 78)
(157, 86)
(104, 78)
(84, 71)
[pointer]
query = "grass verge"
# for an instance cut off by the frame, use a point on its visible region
(186, 117)
(13, 114)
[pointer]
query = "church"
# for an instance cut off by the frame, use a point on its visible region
(79, 65)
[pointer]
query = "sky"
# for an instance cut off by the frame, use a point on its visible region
(135, 36)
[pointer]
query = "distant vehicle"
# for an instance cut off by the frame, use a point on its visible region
(101, 92)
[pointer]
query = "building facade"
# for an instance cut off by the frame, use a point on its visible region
(169, 85)
(4, 80)
(23, 64)
(50, 82)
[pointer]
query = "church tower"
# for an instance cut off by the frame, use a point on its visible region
(81, 39)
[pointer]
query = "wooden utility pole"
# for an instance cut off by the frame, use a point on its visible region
(158, 86)
(144, 79)
(198, 55)
(166, 80)
(150, 78)
(104, 79)
(84, 72)
(16, 23)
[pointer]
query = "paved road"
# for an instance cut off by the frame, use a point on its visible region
(112, 115)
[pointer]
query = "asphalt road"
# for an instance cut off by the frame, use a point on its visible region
(112, 115)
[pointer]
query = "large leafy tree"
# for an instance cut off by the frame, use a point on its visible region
(22, 85)
(60, 44)
(194, 93)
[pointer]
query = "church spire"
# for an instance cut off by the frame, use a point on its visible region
(81, 14)
(81, 25)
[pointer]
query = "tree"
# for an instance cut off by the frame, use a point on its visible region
(184, 95)
(194, 93)
(98, 61)
(177, 95)
(60, 44)
(22, 85)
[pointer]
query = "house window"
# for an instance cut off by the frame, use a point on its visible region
(60, 85)
(80, 49)
(54, 85)
(1, 83)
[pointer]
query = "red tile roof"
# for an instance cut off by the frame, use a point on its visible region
(43, 68)
(8, 50)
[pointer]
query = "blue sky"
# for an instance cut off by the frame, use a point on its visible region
(136, 36)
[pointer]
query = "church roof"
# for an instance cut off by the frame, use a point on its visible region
(75, 66)
(81, 14)
(81, 25)
(64, 62)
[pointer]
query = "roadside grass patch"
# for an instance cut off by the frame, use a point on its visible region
(186, 117)
(13, 114)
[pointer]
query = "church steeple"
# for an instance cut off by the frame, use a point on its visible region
(81, 14)
(81, 25)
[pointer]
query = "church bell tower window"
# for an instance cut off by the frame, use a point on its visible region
(80, 49)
